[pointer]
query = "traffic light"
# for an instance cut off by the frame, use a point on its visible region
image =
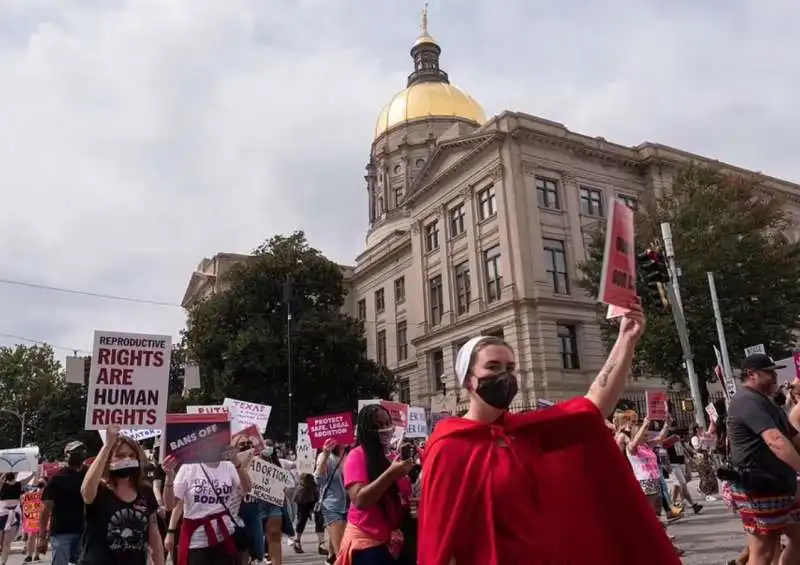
(656, 274)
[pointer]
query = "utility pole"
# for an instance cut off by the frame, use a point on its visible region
(723, 344)
(680, 324)
(287, 298)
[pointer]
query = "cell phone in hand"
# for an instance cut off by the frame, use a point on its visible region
(407, 452)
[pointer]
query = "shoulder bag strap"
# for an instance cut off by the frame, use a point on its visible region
(218, 494)
(331, 476)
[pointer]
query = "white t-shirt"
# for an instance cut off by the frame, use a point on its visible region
(200, 498)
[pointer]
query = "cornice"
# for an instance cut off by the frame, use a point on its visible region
(605, 156)
(479, 143)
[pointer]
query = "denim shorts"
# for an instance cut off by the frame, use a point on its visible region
(269, 510)
(331, 516)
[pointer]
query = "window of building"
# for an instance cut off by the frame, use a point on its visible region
(400, 290)
(436, 359)
(362, 309)
(436, 299)
(404, 391)
(380, 347)
(494, 274)
(457, 215)
(487, 204)
(463, 288)
(629, 201)
(568, 346)
(398, 194)
(555, 260)
(591, 202)
(380, 301)
(547, 193)
(402, 341)
(432, 236)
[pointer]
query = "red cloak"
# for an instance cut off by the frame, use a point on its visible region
(574, 498)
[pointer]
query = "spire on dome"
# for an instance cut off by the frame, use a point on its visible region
(425, 53)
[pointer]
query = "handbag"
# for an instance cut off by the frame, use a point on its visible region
(318, 504)
(240, 537)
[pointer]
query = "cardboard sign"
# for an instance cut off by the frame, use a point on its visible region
(398, 411)
(618, 275)
(670, 441)
(210, 409)
(251, 434)
(135, 435)
(656, 405)
(306, 457)
(417, 423)
(129, 381)
(32, 509)
(753, 349)
(248, 413)
(338, 427)
(269, 481)
(711, 410)
(19, 460)
(196, 438)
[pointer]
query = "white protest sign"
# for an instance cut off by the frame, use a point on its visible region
(306, 461)
(135, 435)
(129, 381)
(19, 460)
(210, 409)
(76, 369)
(269, 481)
(248, 414)
(711, 410)
(417, 423)
(753, 349)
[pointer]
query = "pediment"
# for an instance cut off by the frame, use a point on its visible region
(450, 156)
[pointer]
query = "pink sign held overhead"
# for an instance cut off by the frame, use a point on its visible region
(618, 274)
(796, 358)
(656, 405)
(338, 427)
(398, 411)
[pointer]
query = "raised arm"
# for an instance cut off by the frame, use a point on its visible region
(610, 382)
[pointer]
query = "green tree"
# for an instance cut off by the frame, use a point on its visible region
(32, 388)
(737, 229)
(239, 337)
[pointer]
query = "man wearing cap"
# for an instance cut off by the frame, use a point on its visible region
(62, 514)
(766, 462)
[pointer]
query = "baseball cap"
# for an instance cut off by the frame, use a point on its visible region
(760, 362)
(73, 446)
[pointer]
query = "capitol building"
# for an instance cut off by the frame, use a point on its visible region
(476, 226)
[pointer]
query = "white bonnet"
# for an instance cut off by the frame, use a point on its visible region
(464, 356)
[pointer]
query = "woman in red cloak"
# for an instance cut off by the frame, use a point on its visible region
(540, 488)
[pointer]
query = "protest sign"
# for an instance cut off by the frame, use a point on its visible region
(196, 438)
(247, 413)
(618, 275)
(31, 508)
(437, 417)
(417, 423)
(269, 482)
(135, 435)
(210, 409)
(47, 470)
(362, 403)
(338, 427)
(128, 381)
(656, 405)
(19, 460)
(252, 435)
(711, 410)
(398, 411)
(796, 359)
(306, 459)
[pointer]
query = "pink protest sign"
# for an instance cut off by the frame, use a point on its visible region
(338, 427)
(398, 411)
(796, 358)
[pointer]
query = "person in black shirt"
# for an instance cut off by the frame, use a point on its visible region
(677, 463)
(62, 512)
(120, 508)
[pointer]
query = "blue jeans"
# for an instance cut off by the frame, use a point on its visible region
(252, 515)
(66, 548)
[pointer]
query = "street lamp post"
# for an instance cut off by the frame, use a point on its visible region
(21, 418)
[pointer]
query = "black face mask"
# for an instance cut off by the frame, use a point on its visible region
(498, 390)
(123, 473)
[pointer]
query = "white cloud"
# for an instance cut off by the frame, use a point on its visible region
(140, 136)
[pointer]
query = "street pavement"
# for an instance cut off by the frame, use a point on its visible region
(711, 538)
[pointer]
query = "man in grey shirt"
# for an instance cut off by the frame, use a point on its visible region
(763, 450)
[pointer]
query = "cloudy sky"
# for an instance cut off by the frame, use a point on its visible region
(139, 136)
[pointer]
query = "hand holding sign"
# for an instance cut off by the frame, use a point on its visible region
(633, 323)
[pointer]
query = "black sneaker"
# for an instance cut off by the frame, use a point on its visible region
(697, 508)
(28, 559)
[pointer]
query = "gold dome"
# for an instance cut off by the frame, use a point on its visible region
(426, 100)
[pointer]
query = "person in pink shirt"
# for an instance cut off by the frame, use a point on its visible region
(379, 491)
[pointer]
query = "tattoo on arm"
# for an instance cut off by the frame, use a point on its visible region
(602, 378)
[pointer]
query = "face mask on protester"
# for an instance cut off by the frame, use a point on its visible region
(498, 390)
(386, 436)
(268, 451)
(123, 468)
